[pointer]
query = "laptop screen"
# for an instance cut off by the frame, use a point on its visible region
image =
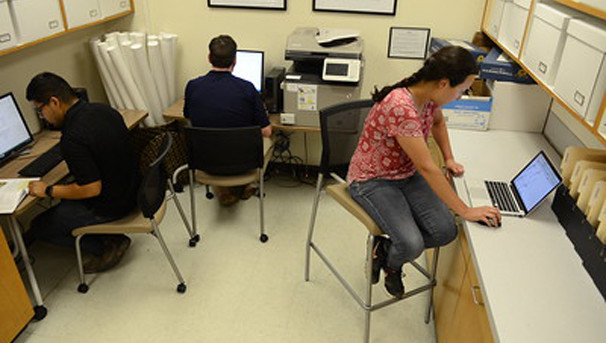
(536, 181)
(14, 133)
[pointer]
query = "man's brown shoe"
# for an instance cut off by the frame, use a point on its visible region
(115, 246)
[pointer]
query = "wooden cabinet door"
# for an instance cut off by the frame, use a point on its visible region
(451, 270)
(470, 321)
(15, 307)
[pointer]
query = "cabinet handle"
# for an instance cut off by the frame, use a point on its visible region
(93, 13)
(5, 38)
(123, 4)
(542, 67)
(474, 289)
(53, 24)
(516, 43)
(579, 98)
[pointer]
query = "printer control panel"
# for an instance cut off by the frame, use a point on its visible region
(341, 69)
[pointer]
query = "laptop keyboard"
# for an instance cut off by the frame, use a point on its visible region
(500, 195)
(43, 163)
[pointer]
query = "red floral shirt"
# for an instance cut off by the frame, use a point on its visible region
(378, 154)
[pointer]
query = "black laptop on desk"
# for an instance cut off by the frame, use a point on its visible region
(14, 133)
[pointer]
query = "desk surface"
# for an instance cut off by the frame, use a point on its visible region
(534, 286)
(175, 112)
(44, 140)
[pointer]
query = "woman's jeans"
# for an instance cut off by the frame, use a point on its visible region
(409, 212)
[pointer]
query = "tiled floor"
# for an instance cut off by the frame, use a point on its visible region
(239, 290)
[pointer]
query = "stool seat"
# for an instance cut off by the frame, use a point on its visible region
(340, 193)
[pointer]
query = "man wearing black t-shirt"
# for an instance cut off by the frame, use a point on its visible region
(99, 155)
(221, 100)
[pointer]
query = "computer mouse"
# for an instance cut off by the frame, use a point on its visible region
(491, 222)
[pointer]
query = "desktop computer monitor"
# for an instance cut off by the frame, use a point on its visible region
(14, 133)
(249, 66)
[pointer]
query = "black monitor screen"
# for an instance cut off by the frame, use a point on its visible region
(249, 66)
(14, 133)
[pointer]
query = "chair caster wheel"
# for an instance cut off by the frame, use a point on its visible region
(82, 288)
(39, 312)
(209, 195)
(194, 240)
(178, 187)
(181, 288)
(263, 238)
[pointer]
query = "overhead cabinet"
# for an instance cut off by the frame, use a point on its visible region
(581, 78)
(545, 42)
(512, 25)
(27, 22)
(35, 19)
(7, 31)
(112, 7)
(562, 45)
(81, 12)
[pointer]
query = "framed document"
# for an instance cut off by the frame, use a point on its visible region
(408, 42)
(387, 7)
(260, 4)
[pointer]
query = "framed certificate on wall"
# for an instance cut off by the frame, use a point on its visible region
(387, 7)
(259, 4)
(408, 42)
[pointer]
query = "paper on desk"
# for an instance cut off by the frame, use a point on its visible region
(12, 192)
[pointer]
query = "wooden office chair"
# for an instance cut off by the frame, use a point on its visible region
(227, 157)
(341, 126)
(151, 202)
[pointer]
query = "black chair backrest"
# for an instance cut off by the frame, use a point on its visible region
(341, 126)
(153, 186)
(224, 151)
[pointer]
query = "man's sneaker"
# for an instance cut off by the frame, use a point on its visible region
(379, 256)
(393, 282)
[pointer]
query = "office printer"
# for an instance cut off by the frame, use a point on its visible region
(326, 70)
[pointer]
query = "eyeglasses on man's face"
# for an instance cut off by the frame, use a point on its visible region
(38, 109)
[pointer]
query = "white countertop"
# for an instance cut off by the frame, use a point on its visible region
(534, 286)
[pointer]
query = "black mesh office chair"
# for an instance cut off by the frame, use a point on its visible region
(145, 219)
(341, 126)
(227, 157)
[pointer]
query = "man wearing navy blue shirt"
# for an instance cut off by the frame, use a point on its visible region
(221, 100)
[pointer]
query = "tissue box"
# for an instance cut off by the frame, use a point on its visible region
(438, 43)
(498, 66)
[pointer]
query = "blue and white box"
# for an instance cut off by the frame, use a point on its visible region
(500, 67)
(438, 43)
(469, 112)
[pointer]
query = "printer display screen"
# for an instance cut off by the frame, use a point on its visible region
(336, 69)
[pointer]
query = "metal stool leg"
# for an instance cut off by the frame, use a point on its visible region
(368, 302)
(312, 221)
(434, 269)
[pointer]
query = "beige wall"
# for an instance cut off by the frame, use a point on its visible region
(266, 30)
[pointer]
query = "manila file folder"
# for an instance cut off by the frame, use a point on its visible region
(573, 154)
(588, 181)
(577, 174)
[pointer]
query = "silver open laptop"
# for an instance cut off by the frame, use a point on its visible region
(522, 194)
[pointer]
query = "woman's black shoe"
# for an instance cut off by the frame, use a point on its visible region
(393, 282)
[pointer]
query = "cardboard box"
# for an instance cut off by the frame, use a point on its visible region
(498, 66)
(438, 43)
(471, 112)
